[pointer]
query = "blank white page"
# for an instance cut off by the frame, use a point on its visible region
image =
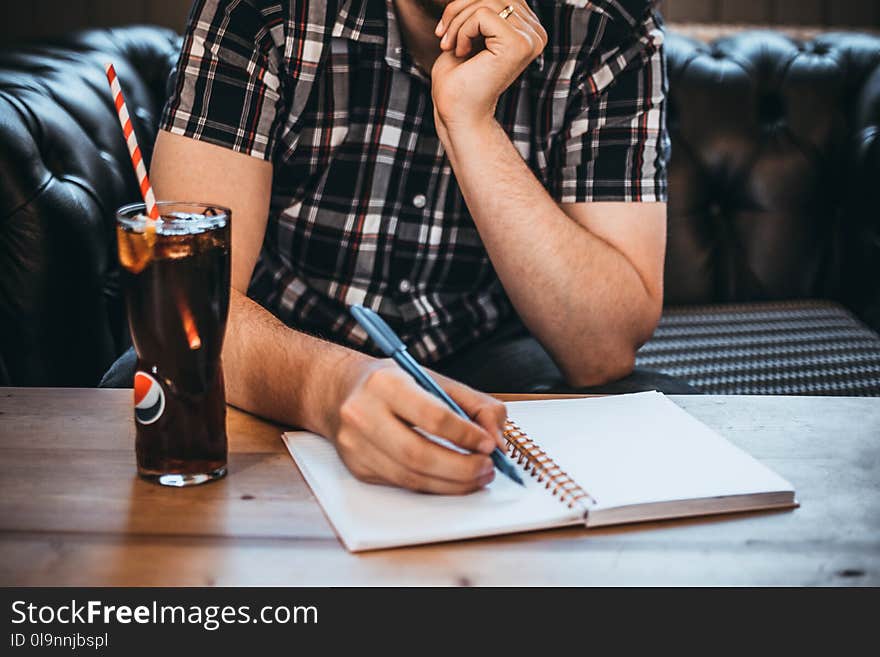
(640, 449)
(369, 516)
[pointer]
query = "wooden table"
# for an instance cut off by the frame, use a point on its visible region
(73, 512)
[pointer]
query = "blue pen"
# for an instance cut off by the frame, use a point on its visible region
(393, 347)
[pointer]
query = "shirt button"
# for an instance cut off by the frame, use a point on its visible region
(404, 286)
(419, 201)
(657, 37)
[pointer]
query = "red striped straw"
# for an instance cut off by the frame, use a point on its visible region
(131, 141)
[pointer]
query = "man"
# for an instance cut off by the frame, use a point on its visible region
(489, 175)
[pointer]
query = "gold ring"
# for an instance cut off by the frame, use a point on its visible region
(506, 12)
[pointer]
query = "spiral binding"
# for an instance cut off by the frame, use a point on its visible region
(540, 466)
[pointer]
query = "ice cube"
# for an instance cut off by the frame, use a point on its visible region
(136, 248)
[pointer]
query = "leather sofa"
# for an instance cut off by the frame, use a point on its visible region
(773, 264)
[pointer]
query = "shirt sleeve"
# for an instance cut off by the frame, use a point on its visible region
(228, 86)
(614, 145)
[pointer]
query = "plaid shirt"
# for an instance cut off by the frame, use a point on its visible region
(365, 207)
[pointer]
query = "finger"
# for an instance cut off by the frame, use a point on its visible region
(520, 8)
(412, 450)
(483, 409)
(372, 426)
(387, 470)
(483, 22)
(531, 29)
(375, 467)
(430, 414)
(524, 13)
(449, 13)
(416, 407)
(450, 36)
(453, 40)
(523, 19)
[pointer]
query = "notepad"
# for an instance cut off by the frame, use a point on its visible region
(591, 462)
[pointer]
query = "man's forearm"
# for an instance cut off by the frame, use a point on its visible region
(279, 373)
(578, 294)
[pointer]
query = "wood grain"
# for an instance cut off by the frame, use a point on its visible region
(72, 511)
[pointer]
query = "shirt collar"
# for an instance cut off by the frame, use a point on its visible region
(367, 21)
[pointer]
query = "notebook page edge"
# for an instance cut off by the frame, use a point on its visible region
(676, 510)
(355, 543)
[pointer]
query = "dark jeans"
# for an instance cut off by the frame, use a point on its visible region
(121, 372)
(510, 360)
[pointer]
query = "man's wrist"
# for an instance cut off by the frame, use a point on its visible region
(334, 379)
(460, 133)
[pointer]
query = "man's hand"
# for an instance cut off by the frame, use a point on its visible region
(376, 440)
(483, 54)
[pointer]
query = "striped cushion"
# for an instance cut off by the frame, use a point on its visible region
(784, 348)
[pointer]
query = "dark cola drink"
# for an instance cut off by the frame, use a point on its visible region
(176, 277)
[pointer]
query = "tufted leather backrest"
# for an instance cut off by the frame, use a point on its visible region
(63, 170)
(774, 165)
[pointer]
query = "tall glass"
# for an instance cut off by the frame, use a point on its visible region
(176, 277)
